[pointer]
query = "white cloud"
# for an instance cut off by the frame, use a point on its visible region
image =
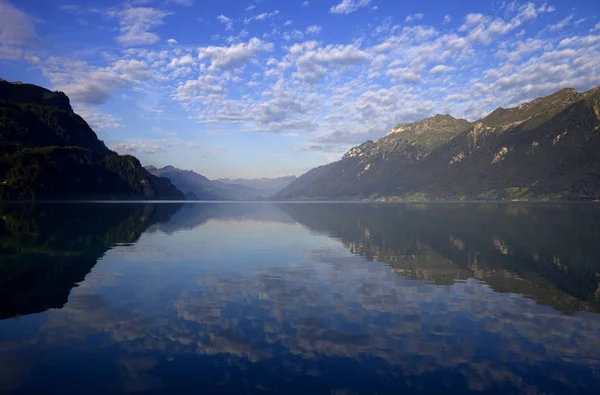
(404, 75)
(348, 6)
(441, 69)
(185, 3)
(228, 22)
(596, 28)
(295, 35)
(261, 17)
(86, 84)
(265, 15)
(579, 41)
(520, 49)
(233, 39)
(234, 55)
(313, 29)
(250, 7)
(16, 31)
(204, 89)
(312, 61)
(16, 27)
(185, 60)
(98, 121)
(562, 24)
(335, 94)
(153, 146)
(414, 17)
(136, 23)
(484, 29)
(11, 53)
(305, 4)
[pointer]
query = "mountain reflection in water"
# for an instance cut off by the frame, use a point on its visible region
(300, 298)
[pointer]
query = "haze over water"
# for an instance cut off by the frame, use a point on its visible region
(313, 298)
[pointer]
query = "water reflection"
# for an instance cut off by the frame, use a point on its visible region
(318, 298)
(47, 249)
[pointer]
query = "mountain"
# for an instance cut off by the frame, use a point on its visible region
(201, 188)
(548, 148)
(49, 152)
(264, 186)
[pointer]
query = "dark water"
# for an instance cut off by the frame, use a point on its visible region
(300, 298)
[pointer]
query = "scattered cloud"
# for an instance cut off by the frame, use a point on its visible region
(136, 23)
(349, 6)
(295, 35)
(234, 55)
(185, 3)
(562, 24)
(89, 85)
(414, 17)
(484, 29)
(261, 17)
(312, 60)
(441, 69)
(228, 22)
(97, 120)
(16, 30)
(184, 60)
(313, 29)
(287, 78)
(153, 146)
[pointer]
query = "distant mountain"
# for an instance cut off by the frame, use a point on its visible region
(201, 188)
(265, 186)
(49, 152)
(548, 148)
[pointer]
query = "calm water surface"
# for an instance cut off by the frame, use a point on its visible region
(300, 298)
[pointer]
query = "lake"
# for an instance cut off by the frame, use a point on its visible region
(300, 298)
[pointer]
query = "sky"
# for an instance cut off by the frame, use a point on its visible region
(267, 88)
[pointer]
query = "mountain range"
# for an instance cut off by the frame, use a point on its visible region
(548, 148)
(266, 186)
(197, 187)
(49, 152)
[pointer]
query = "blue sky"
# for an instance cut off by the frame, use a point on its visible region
(256, 88)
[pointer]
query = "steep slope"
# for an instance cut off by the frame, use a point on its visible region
(365, 169)
(545, 149)
(32, 116)
(49, 152)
